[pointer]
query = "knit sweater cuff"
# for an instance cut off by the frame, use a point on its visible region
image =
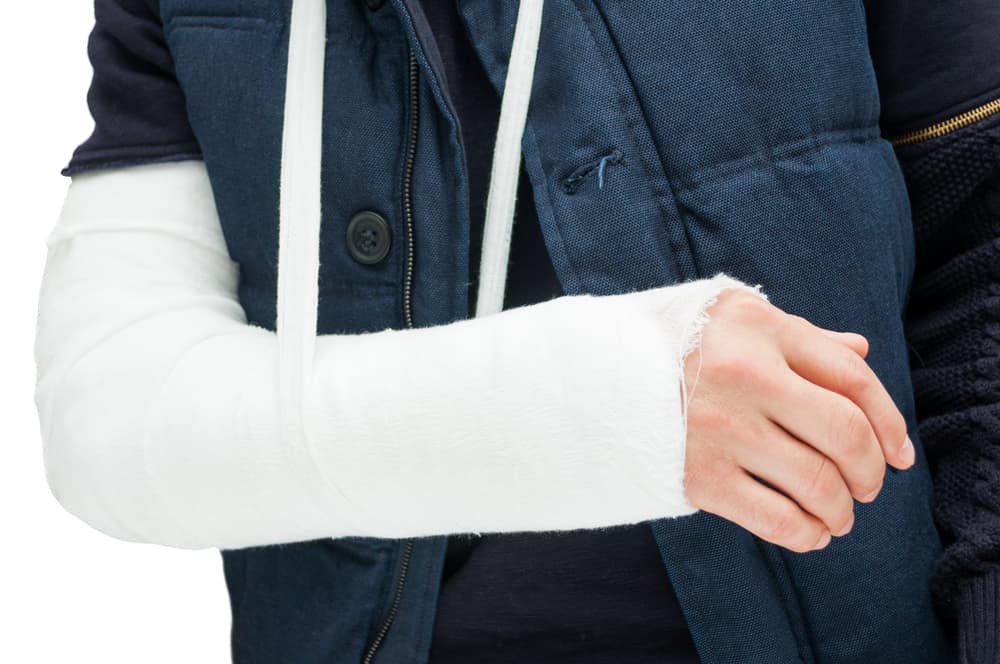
(979, 620)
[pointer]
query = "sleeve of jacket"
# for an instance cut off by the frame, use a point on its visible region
(134, 98)
(938, 68)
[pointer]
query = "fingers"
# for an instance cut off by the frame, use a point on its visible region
(790, 425)
(810, 478)
(835, 426)
(765, 512)
(831, 365)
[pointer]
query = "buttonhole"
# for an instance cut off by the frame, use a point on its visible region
(576, 179)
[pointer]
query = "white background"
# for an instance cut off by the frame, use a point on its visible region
(67, 592)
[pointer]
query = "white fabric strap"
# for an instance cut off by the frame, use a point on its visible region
(300, 207)
(300, 215)
(506, 168)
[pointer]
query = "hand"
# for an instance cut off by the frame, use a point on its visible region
(773, 397)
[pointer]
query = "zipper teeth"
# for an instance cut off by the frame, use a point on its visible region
(397, 598)
(951, 124)
(411, 155)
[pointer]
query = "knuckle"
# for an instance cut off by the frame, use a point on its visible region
(729, 366)
(741, 299)
(853, 433)
(821, 482)
(749, 373)
(851, 374)
(750, 308)
(710, 418)
(783, 524)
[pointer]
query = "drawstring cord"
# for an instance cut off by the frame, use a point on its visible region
(300, 198)
(506, 168)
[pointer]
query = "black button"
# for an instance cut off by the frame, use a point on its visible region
(368, 237)
(373, 4)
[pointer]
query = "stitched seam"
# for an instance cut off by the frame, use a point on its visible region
(769, 156)
(536, 169)
(354, 289)
(535, 159)
(217, 22)
(660, 183)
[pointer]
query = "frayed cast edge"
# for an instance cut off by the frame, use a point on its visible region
(693, 340)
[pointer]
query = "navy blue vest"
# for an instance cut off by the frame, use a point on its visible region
(743, 137)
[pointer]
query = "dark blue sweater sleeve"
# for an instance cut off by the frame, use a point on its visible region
(953, 326)
(134, 97)
(938, 68)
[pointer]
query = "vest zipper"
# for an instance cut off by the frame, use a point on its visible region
(951, 124)
(397, 597)
(411, 155)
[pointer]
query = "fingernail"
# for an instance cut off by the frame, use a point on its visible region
(907, 453)
(823, 540)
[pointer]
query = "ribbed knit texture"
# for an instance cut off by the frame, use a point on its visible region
(953, 325)
(979, 606)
